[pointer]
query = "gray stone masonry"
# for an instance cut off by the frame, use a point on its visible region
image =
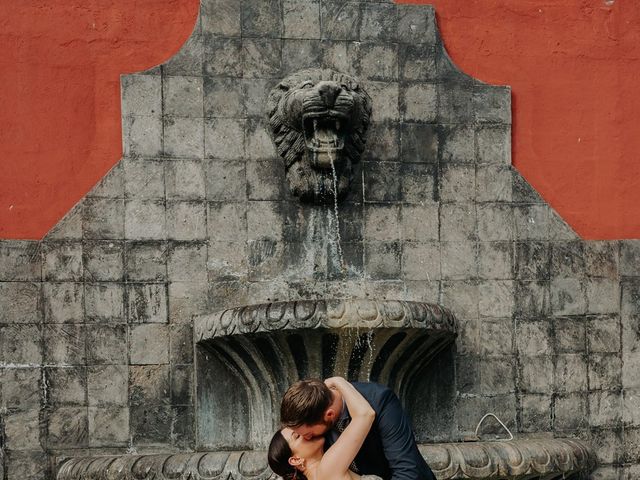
(96, 341)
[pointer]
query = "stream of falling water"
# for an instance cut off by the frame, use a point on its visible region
(335, 197)
(335, 212)
(369, 362)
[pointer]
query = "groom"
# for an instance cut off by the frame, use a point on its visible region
(311, 409)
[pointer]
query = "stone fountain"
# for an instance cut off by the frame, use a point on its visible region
(247, 356)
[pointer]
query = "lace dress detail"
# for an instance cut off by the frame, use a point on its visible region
(370, 477)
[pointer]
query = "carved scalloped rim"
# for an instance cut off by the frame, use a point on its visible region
(324, 313)
(517, 459)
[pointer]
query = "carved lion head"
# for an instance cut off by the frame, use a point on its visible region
(318, 121)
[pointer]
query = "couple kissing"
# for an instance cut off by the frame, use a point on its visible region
(337, 430)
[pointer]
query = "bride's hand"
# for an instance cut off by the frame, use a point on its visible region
(334, 382)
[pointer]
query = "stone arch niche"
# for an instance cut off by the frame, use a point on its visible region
(247, 357)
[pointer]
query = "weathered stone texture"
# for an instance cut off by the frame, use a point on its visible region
(96, 346)
(449, 461)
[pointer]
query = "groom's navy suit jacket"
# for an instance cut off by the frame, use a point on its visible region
(390, 449)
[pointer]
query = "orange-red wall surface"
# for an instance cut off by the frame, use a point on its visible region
(60, 66)
(574, 68)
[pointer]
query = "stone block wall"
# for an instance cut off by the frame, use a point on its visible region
(96, 349)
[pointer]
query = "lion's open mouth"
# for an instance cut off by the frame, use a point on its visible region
(324, 135)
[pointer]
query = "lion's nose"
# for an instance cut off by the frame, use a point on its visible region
(328, 92)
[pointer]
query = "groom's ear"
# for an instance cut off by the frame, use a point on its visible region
(330, 415)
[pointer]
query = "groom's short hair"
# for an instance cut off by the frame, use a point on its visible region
(305, 403)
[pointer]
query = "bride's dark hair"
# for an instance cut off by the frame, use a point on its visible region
(278, 457)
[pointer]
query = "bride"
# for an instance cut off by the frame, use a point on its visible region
(295, 457)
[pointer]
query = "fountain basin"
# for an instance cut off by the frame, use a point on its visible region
(531, 459)
(246, 357)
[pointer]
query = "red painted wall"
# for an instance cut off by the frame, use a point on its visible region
(574, 67)
(60, 62)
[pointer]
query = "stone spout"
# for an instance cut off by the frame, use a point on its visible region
(318, 121)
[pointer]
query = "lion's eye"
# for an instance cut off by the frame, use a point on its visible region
(307, 85)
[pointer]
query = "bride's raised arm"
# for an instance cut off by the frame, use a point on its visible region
(338, 457)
